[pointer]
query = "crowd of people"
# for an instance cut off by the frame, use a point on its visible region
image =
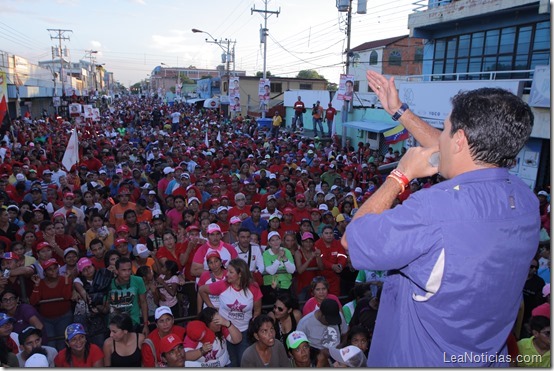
(197, 242)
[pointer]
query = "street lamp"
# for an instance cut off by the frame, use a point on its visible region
(227, 50)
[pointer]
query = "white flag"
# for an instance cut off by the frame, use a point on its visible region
(218, 136)
(71, 155)
(206, 141)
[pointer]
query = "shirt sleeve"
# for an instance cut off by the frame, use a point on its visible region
(403, 236)
(218, 287)
(256, 292)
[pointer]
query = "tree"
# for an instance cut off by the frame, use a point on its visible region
(331, 86)
(309, 74)
(261, 74)
(186, 80)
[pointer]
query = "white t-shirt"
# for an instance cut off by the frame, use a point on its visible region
(236, 305)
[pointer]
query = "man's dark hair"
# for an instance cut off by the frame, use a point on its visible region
(497, 124)
(537, 323)
(122, 260)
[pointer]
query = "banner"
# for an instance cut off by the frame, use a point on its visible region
(88, 111)
(71, 155)
(75, 109)
(3, 96)
(264, 90)
(396, 134)
(234, 94)
(346, 87)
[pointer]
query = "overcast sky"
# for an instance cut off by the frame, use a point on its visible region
(134, 36)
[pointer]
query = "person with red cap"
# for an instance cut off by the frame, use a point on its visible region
(58, 314)
(172, 351)
(215, 273)
(68, 206)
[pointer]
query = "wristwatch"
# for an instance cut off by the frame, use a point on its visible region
(400, 112)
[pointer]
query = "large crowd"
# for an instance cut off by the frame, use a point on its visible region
(183, 237)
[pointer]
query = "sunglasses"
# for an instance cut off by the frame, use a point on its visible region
(300, 201)
(280, 309)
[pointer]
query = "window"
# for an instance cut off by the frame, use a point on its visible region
(503, 49)
(418, 57)
(356, 86)
(373, 57)
(395, 58)
(276, 87)
(305, 86)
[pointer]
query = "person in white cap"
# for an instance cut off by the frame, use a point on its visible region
(350, 356)
(165, 325)
(37, 360)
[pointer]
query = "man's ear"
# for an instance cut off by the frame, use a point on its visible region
(460, 140)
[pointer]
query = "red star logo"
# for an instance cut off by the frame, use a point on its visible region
(236, 306)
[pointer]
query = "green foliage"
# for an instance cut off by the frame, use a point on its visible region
(331, 86)
(261, 74)
(309, 74)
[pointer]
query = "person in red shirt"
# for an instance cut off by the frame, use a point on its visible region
(330, 113)
(165, 325)
(56, 315)
(333, 257)
(78, 350)
(301, 211)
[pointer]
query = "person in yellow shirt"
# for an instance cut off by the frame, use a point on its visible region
(276, 125)
(535, 351)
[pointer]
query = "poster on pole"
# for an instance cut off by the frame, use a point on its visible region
(88, 111)
(3, 96)
(234, 94)
(346, 87)
(263, 93)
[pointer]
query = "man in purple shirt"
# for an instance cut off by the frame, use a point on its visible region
(460, 249)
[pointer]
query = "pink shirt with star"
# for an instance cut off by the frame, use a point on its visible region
(236, 305)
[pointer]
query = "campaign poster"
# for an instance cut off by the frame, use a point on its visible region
(88, 111)
(346, 87)
(75, 109)
(264, 89)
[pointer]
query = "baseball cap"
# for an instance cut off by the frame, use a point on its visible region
(329, 196)
(9, 256)
(330, 310)
(152, 193)
(122, 228)
(334, 187)
(42, 245)
(193, 227)
(235, 220)
(169, 342)
(287, 210)
(168, 170)
(146, 186)
(212, 254)
(307, 235)
(197, 331)
(83, 263)
(340, 218)
(323, 207)
(69, 194)
(273, 216)
(351, 356)
(47, 264)
(357, 190)
(120, 241)
(28, 331)
(364, 165)
(160, 311)
(272, 234)
(4, 318)
(46, 172)
(141, 250)
(271, 197)
(300, 196)
(20, 177)
(542, 193)
(74, 329)
(70, 249)
(194, 199)
(222, 208)
(296, 338)
(213, 228)
(37, 360)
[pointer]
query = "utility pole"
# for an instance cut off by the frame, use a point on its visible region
(60, 36)
(346, 103)
(92, 59)
(263, 35)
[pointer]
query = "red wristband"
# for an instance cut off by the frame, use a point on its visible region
(401, 176)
